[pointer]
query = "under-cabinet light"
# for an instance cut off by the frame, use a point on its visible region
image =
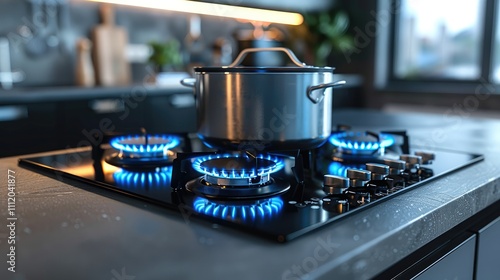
(250, 14)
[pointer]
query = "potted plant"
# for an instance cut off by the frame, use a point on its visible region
(165, 56)
(324, 33)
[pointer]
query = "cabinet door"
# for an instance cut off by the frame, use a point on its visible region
(85, 118)
(488, 248)
(28, 129)
(457, 263)
(175, 113)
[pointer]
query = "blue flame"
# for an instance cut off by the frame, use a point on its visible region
(346, 140)
(167, 142)
(237, 174)
(154, 179)
(259, 209)
(340, 169)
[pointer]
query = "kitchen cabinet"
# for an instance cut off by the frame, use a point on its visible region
(457, 263)
(71, 121)
(28, 128)
(488, 246)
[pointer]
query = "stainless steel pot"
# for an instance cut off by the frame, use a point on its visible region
(264, 108)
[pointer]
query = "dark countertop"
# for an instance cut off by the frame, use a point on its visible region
(67, 232)
(55, 94)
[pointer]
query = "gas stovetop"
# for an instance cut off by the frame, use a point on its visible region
(279, 195)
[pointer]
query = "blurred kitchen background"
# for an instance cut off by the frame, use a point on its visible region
(69, 66)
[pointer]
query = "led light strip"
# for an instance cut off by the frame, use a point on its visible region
(211, 9)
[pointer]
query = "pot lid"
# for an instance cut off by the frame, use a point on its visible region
(235, 67)
(254, 69)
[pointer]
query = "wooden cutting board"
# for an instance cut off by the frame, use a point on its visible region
(110, 41)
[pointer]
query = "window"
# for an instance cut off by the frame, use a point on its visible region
(445, 43)
(439, 39)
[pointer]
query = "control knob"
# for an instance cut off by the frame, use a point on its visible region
(333, 184)
(378, 171)
(396, 166)
(412, 161)
(427, 157)
(358, 178)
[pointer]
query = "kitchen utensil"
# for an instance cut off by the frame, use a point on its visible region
(36, 45)
(264, 108)
(85, 75)
(110, 41)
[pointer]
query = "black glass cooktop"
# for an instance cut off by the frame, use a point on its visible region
(276, 195)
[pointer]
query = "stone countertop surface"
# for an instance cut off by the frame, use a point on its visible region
(74, 232)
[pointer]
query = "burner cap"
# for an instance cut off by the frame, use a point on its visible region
(236, 169)
(363, 143)
(237, 176)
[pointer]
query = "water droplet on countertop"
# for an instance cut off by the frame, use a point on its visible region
(104, 216)
(64, 224)
(360, 265)
(292, 202)
(118, 218)
(27, 230)
(355, 237)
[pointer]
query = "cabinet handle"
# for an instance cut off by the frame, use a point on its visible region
(12, 113)
(106, 106)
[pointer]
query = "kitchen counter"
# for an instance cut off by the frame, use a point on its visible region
(68, 232)
(56, 94)
(169, 86)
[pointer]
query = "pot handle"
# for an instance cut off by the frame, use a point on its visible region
(244, 53)
(317, 100)
(188, 82)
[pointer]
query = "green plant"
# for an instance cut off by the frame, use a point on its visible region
(328, 33)
(165, 54)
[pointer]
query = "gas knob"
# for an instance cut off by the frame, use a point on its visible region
(358, 178)
(412, 161)
(379, 171)
(333, 184)
(396, 166)
(427, 157)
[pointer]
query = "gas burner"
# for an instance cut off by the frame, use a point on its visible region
(246, 210)
(237, 176)
(361, 143)
(159, 178)
(143, 151)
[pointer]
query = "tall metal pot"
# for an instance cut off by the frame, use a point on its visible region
(264, 108)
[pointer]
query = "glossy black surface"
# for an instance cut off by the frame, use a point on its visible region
(300, 209)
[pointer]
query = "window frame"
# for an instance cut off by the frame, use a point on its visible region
(386, 80)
